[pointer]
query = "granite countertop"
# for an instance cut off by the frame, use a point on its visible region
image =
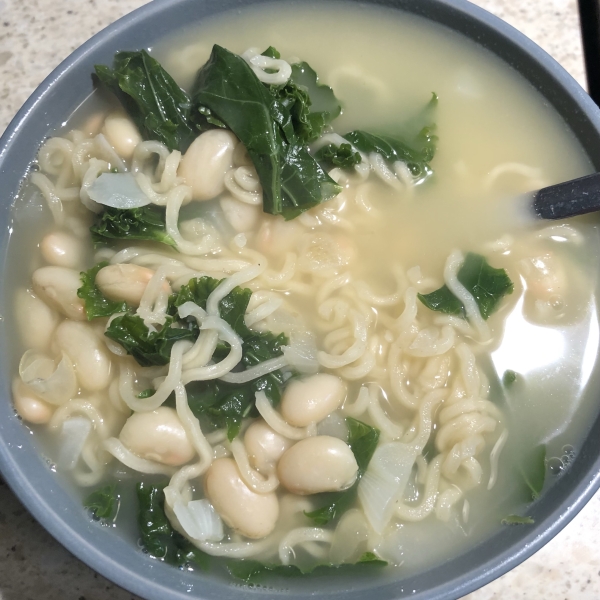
(35, 35)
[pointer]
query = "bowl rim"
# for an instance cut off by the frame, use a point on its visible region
(38, 502)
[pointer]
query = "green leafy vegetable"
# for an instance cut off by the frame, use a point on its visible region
(517, 520)
(362, 439)
(232, 307)
(533, 471)
(252, 571)
(96, 305)
(509, 377)
(147, 347)
(292, 180)
(103, 502)
(145, 223)
(487, 285)
(226, 405)
(417, 155)
(158, 106)
(311, 105)
(342, 156)
(159, 539)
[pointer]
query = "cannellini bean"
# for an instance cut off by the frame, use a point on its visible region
(206, 161)
(125, 282)
(311, 399)
(87, 352)
(544, 276)
(251, 514)
(317, 464)
(62, 249)
(122, 134)
(29, 407)
(241, 216)
(264, 446)
(159, 436)
(36, 320)
(277, 236)
(58, 286)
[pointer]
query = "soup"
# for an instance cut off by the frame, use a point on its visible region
(379, 367)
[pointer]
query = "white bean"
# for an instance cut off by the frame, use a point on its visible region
(58, 286)
(251, 514)
(241, 216)
(87, 352)
(206, 161)
(159, 436)
(29, 407)
(317, 464)
(122, 134)
(36, 320)
(264, 446)
(311, 399)
(125, 282)
(62, 249)
(277, 236)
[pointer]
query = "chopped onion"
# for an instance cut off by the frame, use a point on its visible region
(73, 435)
(333, 425)
(199, 520)
(53, 383)
(301, 354)
(119, 190)
(384, 482)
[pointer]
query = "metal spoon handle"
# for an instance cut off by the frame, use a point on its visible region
(568, 199)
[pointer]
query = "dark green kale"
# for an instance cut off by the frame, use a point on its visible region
(147, 347)
(311, 105)
(362, 439)
(291, 178)
(225, 404)
(103, 502)
(96, 304)
(517, 520)
(252, 571)
(159, 539)
(509, 378)
(157, 105)
(417, 154)
(533, 471)
(487, 285)
(232, 307)
(145, 223)
(342, 156)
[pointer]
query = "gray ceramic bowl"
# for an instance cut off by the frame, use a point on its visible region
(56, 506)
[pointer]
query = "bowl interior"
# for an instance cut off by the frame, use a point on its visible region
(53, 502)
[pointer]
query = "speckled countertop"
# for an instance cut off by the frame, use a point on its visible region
(35, 35)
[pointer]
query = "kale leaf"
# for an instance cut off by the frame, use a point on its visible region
(103, 502)
(225, 404)
(533, 471)
(417, 155)
(96, 305)
(252, 571)
(144, 223)
(232, 307)
(362, 439)
(517, 520)
(291, 178)
(311, 105)
(147, 347)
(487, 285)
(342, 156)
(159, 539)
(157, 105)
(508, 378)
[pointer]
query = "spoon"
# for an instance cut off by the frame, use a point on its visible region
(568, 199)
